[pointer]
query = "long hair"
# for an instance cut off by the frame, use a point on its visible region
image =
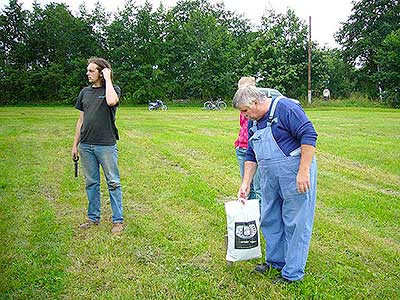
(101, 64)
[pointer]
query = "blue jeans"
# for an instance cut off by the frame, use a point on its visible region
(92, 156)
(255, 188)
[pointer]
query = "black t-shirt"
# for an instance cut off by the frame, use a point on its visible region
(98, 126)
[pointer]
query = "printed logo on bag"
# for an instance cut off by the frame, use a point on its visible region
(246, 235)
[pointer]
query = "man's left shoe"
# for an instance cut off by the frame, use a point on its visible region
(117, 228)
(281, 280)
(263, 268)
(89, 223)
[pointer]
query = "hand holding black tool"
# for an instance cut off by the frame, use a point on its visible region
(75, 159)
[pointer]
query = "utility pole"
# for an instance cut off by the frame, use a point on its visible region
(309, 60)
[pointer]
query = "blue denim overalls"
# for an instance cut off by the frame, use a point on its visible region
(286, 215)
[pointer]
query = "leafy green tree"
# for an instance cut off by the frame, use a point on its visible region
(361, 38)
(97, 20)
(201, 50)
(388, 58)
(240, 29)
(14, 33)
(44, 61)
(61, 44)
(13, 36)
(242, 35)
(329, 70)
(136, 46)
(58, 36)
(279, 54)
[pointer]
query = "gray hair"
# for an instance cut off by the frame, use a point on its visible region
(245, 96)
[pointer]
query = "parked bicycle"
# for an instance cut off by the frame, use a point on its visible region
(158, 104)
(215, 104)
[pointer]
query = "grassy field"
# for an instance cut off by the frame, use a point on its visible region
(178, 168)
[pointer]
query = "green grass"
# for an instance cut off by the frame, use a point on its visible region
(177, 168)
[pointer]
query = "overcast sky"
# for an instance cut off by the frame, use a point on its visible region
(326, 15)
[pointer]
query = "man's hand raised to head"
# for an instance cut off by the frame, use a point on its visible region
(106, 73)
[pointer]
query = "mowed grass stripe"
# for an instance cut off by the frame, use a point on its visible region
(359, 197)
(185, 149)
(359, 262)
(370, 137)
(33, 240)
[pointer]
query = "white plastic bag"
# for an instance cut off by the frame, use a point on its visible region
(243, 223)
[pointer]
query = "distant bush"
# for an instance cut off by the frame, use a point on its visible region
(355, 100)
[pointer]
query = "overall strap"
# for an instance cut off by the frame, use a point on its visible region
(271, 119)
(253, 128)
(273, 107)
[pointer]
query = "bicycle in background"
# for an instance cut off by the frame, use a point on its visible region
(215, 104)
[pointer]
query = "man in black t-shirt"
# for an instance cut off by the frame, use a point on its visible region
(95, 141)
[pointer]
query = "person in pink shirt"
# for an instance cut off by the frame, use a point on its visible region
(241, 145)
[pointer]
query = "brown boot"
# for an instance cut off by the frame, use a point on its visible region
(88, 224)
(117, 228)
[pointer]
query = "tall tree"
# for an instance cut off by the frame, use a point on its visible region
(136, 45)
(58, 36)
(329, 70)
(279, 54)
(60, 44)
(14, 33)
(361, 37)
(202, 52)
(44, 61)
(388, 58)
(13, 57)
(97, 19)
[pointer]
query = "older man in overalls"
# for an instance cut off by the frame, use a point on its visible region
(282, 143)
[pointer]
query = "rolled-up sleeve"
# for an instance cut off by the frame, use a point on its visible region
(250, 155)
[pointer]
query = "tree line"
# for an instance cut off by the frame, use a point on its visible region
(195, 50)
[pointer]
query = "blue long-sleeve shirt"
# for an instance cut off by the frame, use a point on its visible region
(292, 130)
